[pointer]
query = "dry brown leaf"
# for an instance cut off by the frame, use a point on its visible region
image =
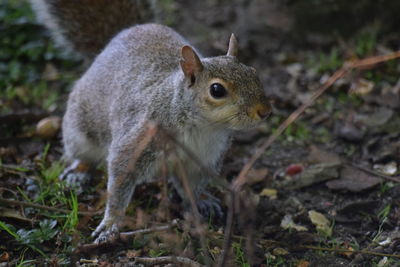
(288, 223)
(50, 72)
(361, 87)
(318, 155)
(131, 253)
(303, 263)
(348, 253)
(353, 180)
(256, 175)
(4, 256)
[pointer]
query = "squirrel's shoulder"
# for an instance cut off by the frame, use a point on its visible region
(152, 36)
(149, 44)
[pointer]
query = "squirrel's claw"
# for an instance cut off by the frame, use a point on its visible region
(76, 176)
(209, 206)
(105, 231)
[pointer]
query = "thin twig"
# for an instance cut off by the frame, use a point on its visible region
(341, 250)
(26, 116)
(42, 207)
(181, 261)
(228, 230)
(197, 218)
(127, 237)
(121, 239)
(393, 179)
(372, 61)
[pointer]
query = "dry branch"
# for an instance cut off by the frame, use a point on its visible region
(181, 261)
(200, 229)
(390, 178)
(343, 250)
(42, 207)
(119, 240)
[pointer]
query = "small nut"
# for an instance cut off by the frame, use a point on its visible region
(48, 128)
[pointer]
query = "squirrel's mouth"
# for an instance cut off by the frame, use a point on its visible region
(245, 124)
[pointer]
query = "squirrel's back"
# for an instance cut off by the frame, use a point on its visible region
(86, 26)
(153, 45)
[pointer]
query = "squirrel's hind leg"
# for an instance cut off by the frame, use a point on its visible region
(83, 156)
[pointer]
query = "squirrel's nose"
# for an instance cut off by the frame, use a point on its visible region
(263, 110)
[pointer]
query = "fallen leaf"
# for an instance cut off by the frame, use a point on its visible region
(256, 175)
(4, 256)
(50, 72)
(383, 262)
(377, 118)
(321, 222)
(311, 175)
(280, 252)
(348, 253)
(288, 223)
(361, 87)
(353, 180)
(271, 193)
(303, 263)
(131, 253)
(318, 155)
(358, 208)
(348, 131)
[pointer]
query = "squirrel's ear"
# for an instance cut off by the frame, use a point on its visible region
(190, 63)
(233, 46)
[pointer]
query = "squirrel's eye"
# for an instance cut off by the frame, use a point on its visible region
(217, 90)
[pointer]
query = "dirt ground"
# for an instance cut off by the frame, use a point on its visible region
(326, 193)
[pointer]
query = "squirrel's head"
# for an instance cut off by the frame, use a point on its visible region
(226, 91)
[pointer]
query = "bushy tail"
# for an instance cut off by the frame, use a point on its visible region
(86, 26)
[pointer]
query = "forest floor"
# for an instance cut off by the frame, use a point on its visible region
(325, 193)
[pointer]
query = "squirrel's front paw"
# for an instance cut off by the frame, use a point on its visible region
(209, 206)
(105, 231)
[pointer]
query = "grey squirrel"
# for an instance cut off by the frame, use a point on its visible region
(148, 73)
